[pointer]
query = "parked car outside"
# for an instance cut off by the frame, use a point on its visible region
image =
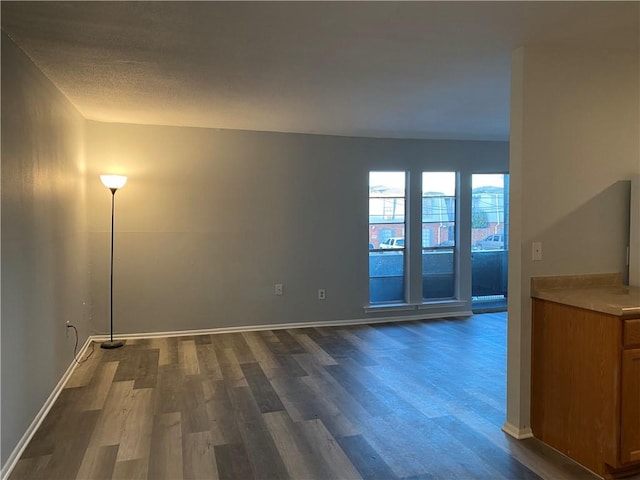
(492, 242)
(394, 243)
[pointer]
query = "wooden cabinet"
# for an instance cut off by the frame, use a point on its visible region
(630, 406)
(585, 390)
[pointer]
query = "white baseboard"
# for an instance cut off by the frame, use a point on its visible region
(282, 326)
(17, 452)
(517, 433)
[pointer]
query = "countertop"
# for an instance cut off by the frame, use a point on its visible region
(601, 293)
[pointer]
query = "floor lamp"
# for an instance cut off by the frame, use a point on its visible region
(113, 183)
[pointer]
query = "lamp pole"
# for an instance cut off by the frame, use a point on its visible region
(112, 182)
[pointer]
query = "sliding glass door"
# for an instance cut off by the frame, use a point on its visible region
(489, 240)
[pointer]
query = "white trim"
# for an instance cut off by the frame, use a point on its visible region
(403, 307)
(443, 303)
(515, 432)
(17, 452)
(389, 307)
(283, 326)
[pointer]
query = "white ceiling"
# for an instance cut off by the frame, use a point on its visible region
(377, 69)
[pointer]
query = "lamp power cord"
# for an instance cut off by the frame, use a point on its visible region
(75, 347)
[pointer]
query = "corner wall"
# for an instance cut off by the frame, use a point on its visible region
(575, 144)
(44, 237)
(211, 219)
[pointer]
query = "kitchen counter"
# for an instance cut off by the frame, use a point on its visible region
(602, 293)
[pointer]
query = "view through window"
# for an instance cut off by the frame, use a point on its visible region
(387, 236)
(438, 235)
(489, 240)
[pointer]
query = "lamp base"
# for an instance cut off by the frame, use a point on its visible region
(110, 345)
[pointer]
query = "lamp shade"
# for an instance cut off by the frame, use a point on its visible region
(113, 181)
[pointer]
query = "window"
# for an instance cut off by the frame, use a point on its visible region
(438, 235)
(421, 257)
(489, 240)
(387, 237)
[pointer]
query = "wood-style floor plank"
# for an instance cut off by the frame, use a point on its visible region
(416, 400)
(165, 459)
(113, 418)
(209, 361)
(263, 455)
(326, 446)
(198, 456)
(316, 352)
(98, 462)
(63, 411)
(299, 457)
(195, 417)
(132, 469)
(98, 388)
(222, 423)
(366, 460)
(71, 445)
(169, 392)
(135, 440)
(232, 462)
(261, 352)
(188, 357)
(263, 393)
(230, 367)
(34, 467)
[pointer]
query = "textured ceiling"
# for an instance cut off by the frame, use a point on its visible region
(380, 69)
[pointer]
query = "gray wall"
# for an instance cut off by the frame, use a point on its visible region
(210, 220)
(575, 144)
(44, 237)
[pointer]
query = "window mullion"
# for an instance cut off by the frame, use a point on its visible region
(413, 261)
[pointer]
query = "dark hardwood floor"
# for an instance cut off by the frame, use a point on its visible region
(415, 400)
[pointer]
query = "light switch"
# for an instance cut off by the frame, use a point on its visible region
(536, 251)
(278, 289)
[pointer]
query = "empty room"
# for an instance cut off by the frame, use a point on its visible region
(316, 240)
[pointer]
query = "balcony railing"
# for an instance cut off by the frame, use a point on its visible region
(488, 275)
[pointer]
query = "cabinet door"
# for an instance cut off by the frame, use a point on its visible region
(630, 406)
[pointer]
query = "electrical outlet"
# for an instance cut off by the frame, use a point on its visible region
(322, 294)
(279, 289)
(536, 251)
